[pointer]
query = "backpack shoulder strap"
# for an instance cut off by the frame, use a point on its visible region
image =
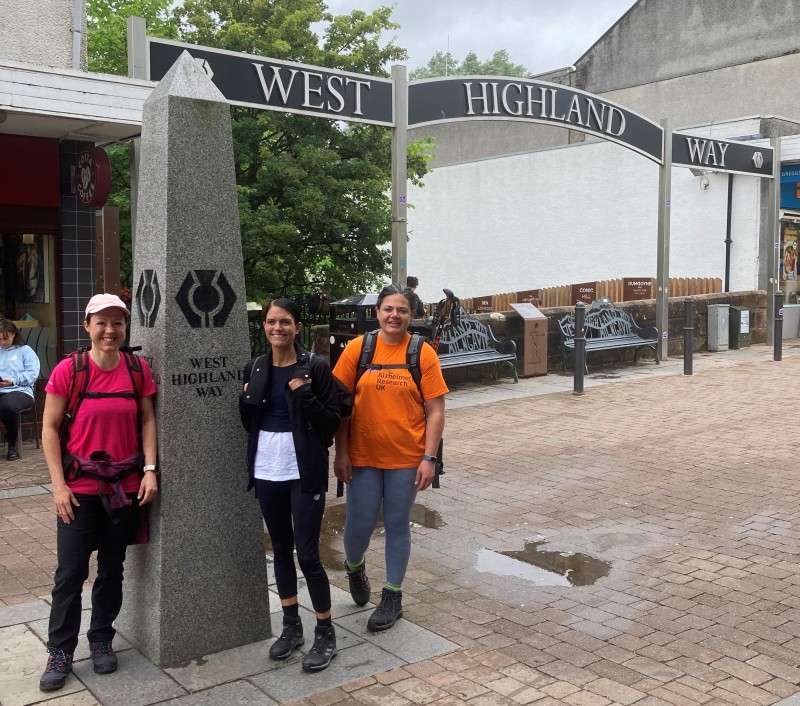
(135, 370)
(412, 359)
(80, 381)
(367, 354)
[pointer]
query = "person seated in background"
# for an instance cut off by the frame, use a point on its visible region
(417, 307)
(19, 368)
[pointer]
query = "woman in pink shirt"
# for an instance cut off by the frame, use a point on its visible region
(110, 455)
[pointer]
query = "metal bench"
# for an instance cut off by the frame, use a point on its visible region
(471, 342)
(607, 327)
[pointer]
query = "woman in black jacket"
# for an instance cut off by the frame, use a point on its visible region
(290, 410)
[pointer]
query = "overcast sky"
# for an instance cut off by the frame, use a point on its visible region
(539, 34)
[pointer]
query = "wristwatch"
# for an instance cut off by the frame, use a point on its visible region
(151, 467)
(432, 459)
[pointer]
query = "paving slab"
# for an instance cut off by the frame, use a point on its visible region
(24, 613)
(137, 682)
(239, 693)
(408, 641)
(22, 661)
(292, 683)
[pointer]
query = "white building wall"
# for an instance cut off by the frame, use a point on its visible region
(568, 215)
(40, 32)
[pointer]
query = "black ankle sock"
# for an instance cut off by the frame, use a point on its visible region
(291, 611)
(324, 622)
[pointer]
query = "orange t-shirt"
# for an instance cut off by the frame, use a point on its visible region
(387, 429)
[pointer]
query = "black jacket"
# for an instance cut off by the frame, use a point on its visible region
(313, 413)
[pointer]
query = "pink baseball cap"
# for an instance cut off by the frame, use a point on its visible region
(105, 301)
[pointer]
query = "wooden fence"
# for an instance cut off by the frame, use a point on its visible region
(614, 289)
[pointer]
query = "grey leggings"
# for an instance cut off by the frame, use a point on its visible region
(369, 488)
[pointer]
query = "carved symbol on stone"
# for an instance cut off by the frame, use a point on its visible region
(148, 298)
(205, 66)
(758, 160)
(206, 298)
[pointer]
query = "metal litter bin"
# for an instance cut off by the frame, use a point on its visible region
(739, 327)
(350, 317)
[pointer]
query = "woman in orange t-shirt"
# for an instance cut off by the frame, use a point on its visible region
(385, 452)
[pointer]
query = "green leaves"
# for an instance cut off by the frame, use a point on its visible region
(443, 64)
(313, 193)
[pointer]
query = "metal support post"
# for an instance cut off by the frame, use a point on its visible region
(769, 247)
(579, 358)
(778, 328)
(688, 336)
(662, 255)
(400, 175)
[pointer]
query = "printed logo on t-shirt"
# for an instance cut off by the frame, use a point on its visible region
(389, 379)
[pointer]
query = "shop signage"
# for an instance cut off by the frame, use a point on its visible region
(259, 82)
(790, 186)
(721, 155)
(92, 177)
(465, 98)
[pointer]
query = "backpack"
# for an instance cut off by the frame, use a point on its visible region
(79, 392)
(411, 364)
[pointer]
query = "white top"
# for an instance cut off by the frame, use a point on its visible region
(276, 459)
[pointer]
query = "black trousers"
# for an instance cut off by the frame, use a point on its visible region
(294, 521)
(93, 528)
(11, 404)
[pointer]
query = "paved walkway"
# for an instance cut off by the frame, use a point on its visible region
(636, 545)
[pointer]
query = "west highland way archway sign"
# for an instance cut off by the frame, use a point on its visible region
(271, 84)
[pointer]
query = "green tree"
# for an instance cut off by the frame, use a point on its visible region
(441, 64)
(313, 198)
(106, 30)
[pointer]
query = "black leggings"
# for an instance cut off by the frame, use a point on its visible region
(294, 521)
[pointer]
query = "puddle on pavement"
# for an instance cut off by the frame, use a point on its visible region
(333, 526)
(421, 516)
(543, 568)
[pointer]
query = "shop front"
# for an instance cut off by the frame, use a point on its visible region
(789, 262)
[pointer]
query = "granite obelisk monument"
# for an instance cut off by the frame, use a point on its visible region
(200, 585)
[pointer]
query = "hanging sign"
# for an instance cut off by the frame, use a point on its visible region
(259, 82)
(92, 177)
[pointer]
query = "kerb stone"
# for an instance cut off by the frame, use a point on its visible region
(200, 585)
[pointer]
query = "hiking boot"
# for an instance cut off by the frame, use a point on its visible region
(291, 637)
(359, 583)
(103, 657)
(323, 651)
(59, 665)
(388, 612)
(13, 451)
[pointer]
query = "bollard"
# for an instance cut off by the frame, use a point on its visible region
(579, 364)
(778, 329)
(688, 336)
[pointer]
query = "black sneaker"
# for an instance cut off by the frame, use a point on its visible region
(323, 651)
(388, 612)
(59, 665)
(103, 657)
(359, 583)
(291, 637)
